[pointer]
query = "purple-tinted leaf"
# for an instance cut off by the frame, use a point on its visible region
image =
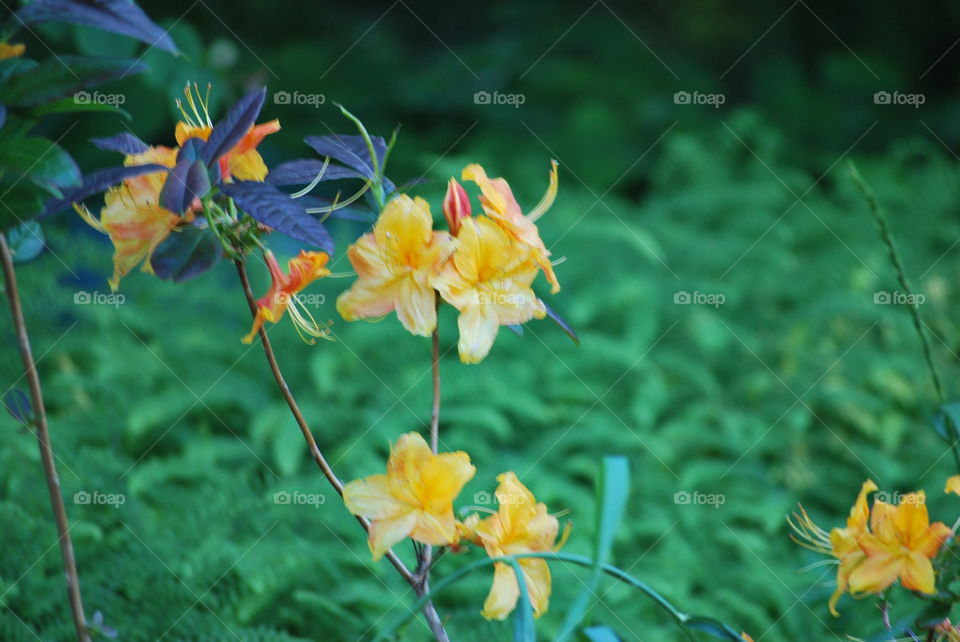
(63, 76)
(96, 182)
(272, 207)
(125, 143)
(192, 149)
(350, 150)
(234, 126)
(18, 405)
(117, 16)
(562, 323)
(303, 171)
(3, 115)
(187, 181)
(186, 254)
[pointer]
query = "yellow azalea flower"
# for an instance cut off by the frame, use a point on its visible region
(395, 264)
(488, 281)
(302, 270)
(243, 161)
(520, 525)
(11, 51)
(132, 215)
(415, 497)
(900, 544)
(499, 204)
(842, 543)
(953, 485)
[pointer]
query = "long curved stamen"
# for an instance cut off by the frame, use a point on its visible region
(89, 218)
(548, 196)
(304, 322)
(809, 535)
(337, 206)
(306, 190)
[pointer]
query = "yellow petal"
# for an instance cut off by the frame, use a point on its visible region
(248, 166)
(861, 510)
(503, 595)
(536, 574)
(442, 477)
(365, 301)
(416, 305)
(478, 325)
(371, 498)
(438, 529)
(387, 532)
(875, 573)
(917, 574)
(953, 485)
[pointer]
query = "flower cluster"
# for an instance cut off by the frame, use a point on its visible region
(881, 545)
(415, 499)
(483, 266)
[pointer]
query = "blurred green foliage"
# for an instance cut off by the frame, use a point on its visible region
(796, 388)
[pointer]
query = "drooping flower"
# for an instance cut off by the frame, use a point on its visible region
(302, 270)
(395, 264)
(11, 51)
(841, 543)
(415, 497)
(132, 215)
(499, 204)
(900, 545)
(243, 161)
(488, 280)
(520, 525)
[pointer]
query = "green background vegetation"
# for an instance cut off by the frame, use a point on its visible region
(797, 388)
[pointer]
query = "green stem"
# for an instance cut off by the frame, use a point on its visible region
(894, 255)
(678, 616)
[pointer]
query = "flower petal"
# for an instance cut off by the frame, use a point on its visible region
(416, 305)
(387, 532)
(917, 574)
(536, 574)
(371, 497)
(478, 325)
(503, 595)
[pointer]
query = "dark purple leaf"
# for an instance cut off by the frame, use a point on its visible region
(186, 254)
(3, 115)
(272, 207)
(562, 323)
(18, 405)
(192, 149)
(125, 143)
(350, 150)
(116, 16)
(97, 182)
(234, 126)
(185, 182)
(303, 171)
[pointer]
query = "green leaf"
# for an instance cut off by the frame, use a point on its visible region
(18, 204)
(41, 160)
(26, 241)
(712, 627)
(601, 634)
(71, 105)
(613, 487)
(64, 76)
(523, 628)
(947, 422)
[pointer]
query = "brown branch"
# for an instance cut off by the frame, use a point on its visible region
(43, 441)
(429, 612)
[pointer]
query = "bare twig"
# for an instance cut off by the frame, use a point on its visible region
(429, 612)
(43, 440)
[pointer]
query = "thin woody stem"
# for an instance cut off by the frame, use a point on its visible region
(43, 441)
(429, 612)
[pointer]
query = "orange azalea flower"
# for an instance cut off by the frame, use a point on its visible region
(842, 543)
(500, 205)
(243, 162)
(132, 215)
(900, 545)
(303, 269)
(520, 525)
(415, 497)
(11, 51)
(395, 264)
(488, 281)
